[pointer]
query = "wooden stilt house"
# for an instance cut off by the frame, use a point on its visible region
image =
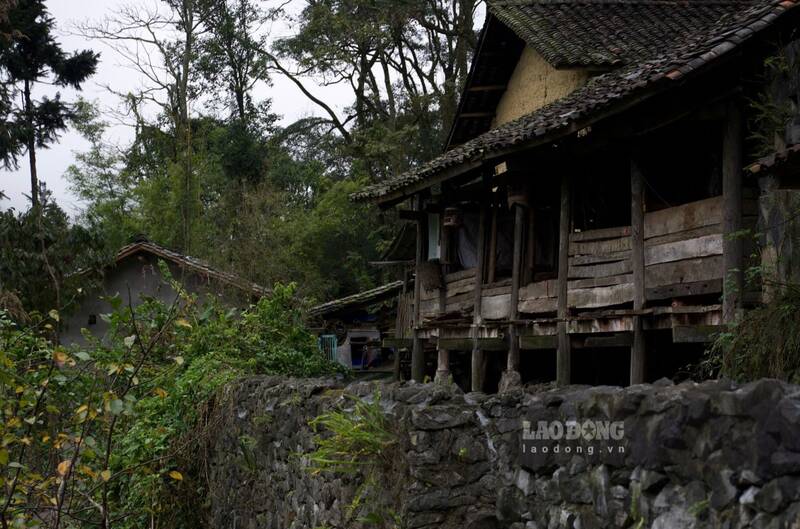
(585, 221)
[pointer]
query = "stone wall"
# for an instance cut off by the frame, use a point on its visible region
(692, 455)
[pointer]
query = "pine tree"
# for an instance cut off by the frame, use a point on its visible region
(29, 54)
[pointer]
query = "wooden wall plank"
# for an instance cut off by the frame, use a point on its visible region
(588, 298)
(600, 270)
(687, 271)
(687, 249)
(606, 246)
(685, 217)
(496, 307)
(600, 234)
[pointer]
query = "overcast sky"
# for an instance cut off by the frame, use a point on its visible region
(53, 162)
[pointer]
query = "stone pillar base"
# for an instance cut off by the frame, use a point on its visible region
(442, 376)
(510, 380)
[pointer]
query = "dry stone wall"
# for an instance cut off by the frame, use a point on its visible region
(691, 456)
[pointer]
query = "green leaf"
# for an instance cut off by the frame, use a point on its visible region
(129, 341)
(116, 406)
(83, 355)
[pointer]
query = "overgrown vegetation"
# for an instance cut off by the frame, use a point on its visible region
(358, 441)
(94, 436)
(764, 343)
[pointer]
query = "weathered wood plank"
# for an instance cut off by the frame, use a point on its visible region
(538, 305)
(606, 246)
(590, 298)
(461, 274)
(687, 249)
(496, 307)
(688, 271)
(600, 270)
(684, 217)
(697, 288)
(601, 281)
(603, 233)
(580, 260)
(684, 235)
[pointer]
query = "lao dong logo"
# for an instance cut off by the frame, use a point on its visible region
(573, 437)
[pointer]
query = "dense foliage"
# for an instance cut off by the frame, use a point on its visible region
(93, 436)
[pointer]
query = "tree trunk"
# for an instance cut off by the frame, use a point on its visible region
(31, 145)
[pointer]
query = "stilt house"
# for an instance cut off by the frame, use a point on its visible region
(587, 220)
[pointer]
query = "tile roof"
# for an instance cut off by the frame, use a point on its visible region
(602, 33)
(367, 297)
(777, 161)
(599, 95)
(195, 265)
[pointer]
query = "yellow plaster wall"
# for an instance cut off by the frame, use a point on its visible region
(534, 84)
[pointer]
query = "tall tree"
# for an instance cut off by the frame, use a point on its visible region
(404, 61)
(229, 58)
(160, 41)
(29, 54)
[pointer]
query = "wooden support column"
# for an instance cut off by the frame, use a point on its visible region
(477, 353)
(516, 279)
(443, 355)
(732, 213)
(417, 351)
(492, 275)
(637, 264)
(530, 255)
(564, 354)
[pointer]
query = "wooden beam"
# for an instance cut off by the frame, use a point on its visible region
(418, 352)
(637, 367)
(732, 213)
(680, 290)
(466, 344)
(469, 115)
(533, 343)
(477, 353)
(564, 355)
(487, 88)
(516, 279)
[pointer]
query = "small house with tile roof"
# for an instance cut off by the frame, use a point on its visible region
(583, 224)
(135, 274)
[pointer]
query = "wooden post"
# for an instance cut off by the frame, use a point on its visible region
(492, 275)
(443, 355)
(417, 351)
(732, 213)
(637, 264)
(516, 278)
(477, 354)
(530, 255)
(564, 354)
